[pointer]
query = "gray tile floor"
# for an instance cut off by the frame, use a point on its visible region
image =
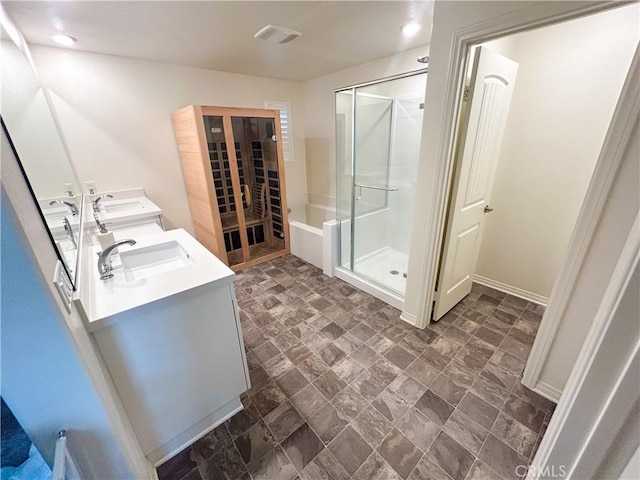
(342, 388)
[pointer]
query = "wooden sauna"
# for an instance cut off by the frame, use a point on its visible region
(233, 169)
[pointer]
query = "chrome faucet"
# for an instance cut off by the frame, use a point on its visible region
(104, 258)
(96, 202)
(72, 207)
(69, 231)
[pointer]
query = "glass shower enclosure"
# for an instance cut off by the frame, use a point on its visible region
(378, 133)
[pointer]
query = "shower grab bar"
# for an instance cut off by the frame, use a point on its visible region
(376, 187)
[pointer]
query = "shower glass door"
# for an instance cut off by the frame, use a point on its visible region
(379, 129)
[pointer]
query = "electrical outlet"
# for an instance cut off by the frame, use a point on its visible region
(91, 186)
(68, 189)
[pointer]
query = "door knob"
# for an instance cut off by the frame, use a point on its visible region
(488, 209)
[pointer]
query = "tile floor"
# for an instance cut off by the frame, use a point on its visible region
(342, 388)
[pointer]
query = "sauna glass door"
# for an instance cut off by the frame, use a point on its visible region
(221, 169)
(259, 171)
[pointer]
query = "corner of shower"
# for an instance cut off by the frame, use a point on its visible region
(378, 133)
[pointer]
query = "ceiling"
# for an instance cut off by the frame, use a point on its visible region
(218, 35)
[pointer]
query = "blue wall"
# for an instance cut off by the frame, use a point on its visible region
(44, 381)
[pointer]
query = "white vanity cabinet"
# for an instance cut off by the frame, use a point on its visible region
(170, 338)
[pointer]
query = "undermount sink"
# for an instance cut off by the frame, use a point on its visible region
(152, 260)
(121, 207)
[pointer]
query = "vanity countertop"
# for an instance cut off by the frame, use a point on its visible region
(159, 265)
(125, 209)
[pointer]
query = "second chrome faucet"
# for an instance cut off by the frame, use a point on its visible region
(104, 258)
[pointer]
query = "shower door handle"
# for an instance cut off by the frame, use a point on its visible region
(376, 187)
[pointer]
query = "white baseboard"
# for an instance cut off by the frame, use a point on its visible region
(547, 391)
(409, 318)
(515, 291)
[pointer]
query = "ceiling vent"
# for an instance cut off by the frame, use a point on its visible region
(274, 33)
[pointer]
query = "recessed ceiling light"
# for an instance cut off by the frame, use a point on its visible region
(63, 39)
(410, 29)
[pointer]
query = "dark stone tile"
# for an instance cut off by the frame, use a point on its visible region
(350, 450)
(478, 410)
(490, 392)
(515, 348)
(243, 420)
(365, 356)
(531, 397)
(376, 468)
(255, 443)
(349, 403)
(283, 421)
(426, 335)
(468, 326)
(324, 467)
(308, 401)
(194, 475)
(211, 443)
(446, 347)
(501, 458)
(329, 384)
(418, 428)
(394, 333)
(466, 431)
(348, 343)
(252, 361)
(302, 446)
(428, 469)
(391, 405)
(499, 376)
(489, 336)
(268, 399)
(380, 344)
(452, 457)
(362, 332)
(480, 471)
(292, 382)
(423, 373)
(259, 379)
(327, 423)
(399, 452)
(514, 434)
(320, 304)
(400, 357)
(489, 300)
(456, 335)
(408, 388)
(474, 316)
(368, 386)
(435, 358)
(286, 341)
(372, 425)
(460, 373)
(298, 354)
(508, 362)
(177, 466)
(316, 341)
(348, 369)
(332, 331)
(446, 388)
(224, 465)
(524, 412)
(331, 354)
(312, 367)
(274, 465)
(504, 307)
(385, 370)
(434, 407)
(274, 330)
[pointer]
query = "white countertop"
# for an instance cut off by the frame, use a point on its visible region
(141, 207)
(102, 300)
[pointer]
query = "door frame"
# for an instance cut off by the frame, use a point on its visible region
(428, 247)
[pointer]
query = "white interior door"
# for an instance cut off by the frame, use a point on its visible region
(490, 92)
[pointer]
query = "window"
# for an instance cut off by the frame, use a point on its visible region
(285, 126)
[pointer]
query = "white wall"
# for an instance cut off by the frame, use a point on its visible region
(569, 80)
(115, 113)
(320, 116)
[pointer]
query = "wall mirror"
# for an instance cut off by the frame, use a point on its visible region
(31, 126)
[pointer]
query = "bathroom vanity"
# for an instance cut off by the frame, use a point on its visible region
(167, 327)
